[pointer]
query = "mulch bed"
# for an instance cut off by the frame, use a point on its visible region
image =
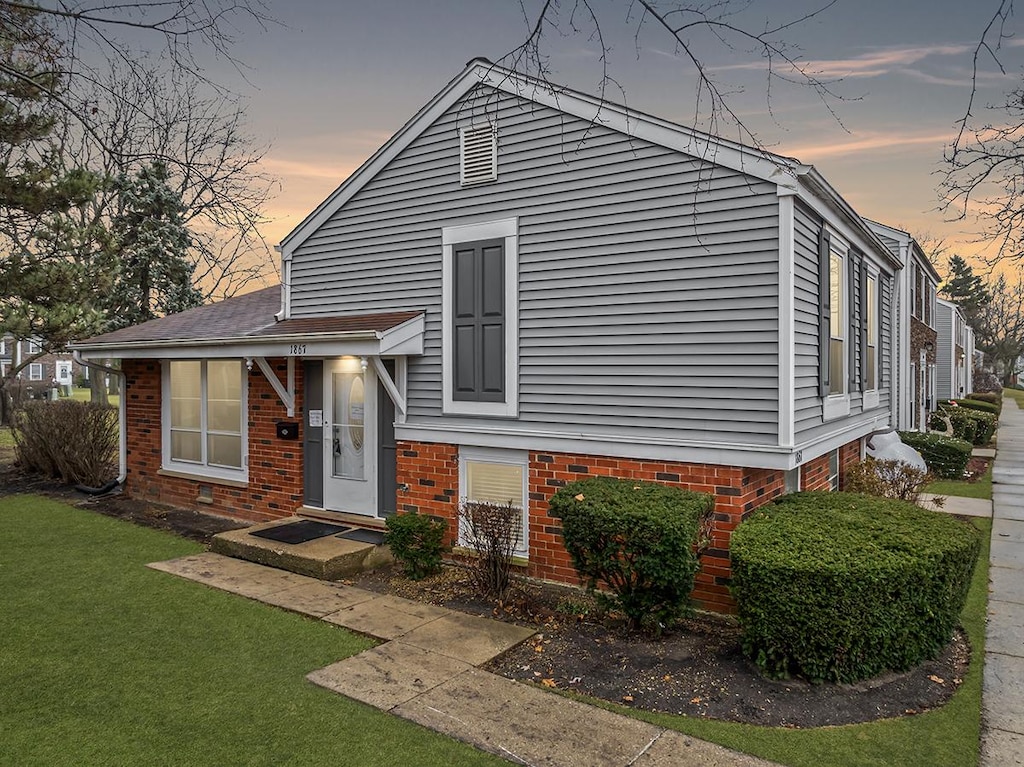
(696, 669)
(976, 468)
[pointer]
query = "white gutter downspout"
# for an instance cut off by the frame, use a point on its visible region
(122, 417)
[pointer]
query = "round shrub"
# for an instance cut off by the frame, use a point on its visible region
(638, 540)
(417, 541)
(946, 457)
(841, 587)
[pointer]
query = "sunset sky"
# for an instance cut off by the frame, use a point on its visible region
(335, 80)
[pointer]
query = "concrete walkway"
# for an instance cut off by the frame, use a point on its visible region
(1002, 740)
(427, 671)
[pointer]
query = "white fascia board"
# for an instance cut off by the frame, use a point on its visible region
(817, 193)
(754, 162)
(911, 247)
(404, 339)
(518, 437)
(773, 168)
(408, 133)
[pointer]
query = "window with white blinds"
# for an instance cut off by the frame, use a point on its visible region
(499, 477)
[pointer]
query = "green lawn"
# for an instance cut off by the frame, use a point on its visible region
(1017, 394)
(85, 395)
(980, 489)
(6, 438)
(948, 736)
(104, 661)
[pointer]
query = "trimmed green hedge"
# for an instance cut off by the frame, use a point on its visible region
(638, 540)
(841, 586)
(946, 457)
(992, 397)
(975, 426)
(977, 404)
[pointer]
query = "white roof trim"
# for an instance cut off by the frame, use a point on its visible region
(403, 339)
(777, 169)
(757, 163)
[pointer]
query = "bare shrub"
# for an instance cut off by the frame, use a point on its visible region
(76, 442)
(887, 479)
(491, 531)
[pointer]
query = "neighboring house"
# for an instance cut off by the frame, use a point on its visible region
(522, 288)
(41, 372)
(916, 335)
(955, 352)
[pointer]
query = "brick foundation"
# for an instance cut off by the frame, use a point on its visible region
(275, 466)
(430, 474)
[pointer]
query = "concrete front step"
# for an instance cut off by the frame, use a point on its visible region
(328, 559)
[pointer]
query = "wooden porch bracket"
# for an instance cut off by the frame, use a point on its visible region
(287, 395)
(389, 384)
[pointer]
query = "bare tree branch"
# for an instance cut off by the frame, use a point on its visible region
(682, 23)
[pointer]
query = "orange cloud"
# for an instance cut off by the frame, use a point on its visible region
(871, 142)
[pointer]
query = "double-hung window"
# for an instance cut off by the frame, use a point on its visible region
(837, 341)
(498, 477)
(204, 412)
(871, 355)
(35, 371)
(479, 318)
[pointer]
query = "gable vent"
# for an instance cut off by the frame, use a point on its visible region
(479, 145)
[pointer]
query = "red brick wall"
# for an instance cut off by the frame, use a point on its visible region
(431, 474)
(428, 480)
(814, 473)
(275, 466)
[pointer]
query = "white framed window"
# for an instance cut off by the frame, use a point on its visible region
(204, 412)
(492, 475)
(480, 319)
(837, 328)
(35, 371)
(34, 347)
(3, 347)
(833, 470)
(871, 355)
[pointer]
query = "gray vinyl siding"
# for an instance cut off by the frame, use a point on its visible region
(807, 403)
(808, 406)
(648, 280)
(944, 352)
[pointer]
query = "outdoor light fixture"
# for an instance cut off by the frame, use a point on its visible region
(362, 361)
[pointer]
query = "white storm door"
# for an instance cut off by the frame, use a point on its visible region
(64, 372)
(350, 437)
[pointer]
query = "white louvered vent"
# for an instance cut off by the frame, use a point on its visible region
(479, 145)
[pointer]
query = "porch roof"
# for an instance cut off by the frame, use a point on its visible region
(245, 326)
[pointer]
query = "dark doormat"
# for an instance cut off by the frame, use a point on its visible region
(299, 532)
(376, 537)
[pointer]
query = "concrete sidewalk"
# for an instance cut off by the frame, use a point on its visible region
(1002, 734)
(428, 671)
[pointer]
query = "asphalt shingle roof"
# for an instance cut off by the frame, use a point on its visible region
(247, 316)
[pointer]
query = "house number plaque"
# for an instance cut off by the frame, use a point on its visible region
(296, 350)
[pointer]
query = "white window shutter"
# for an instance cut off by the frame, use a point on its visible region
(479, 153)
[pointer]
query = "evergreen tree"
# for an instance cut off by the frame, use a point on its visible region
(46, 280)
(967, 290)
(150, 244)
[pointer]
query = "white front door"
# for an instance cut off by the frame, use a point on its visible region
(350, 437)
(64, 372)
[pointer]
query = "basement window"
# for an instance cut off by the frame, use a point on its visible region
(478, 145)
